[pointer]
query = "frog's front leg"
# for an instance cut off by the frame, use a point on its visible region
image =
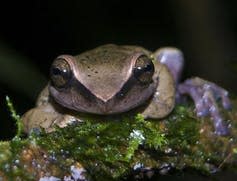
(46, 115)
(203, 93)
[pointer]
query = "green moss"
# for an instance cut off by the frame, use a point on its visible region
(183, 128)
(15, 116)
(110, 144)
(110, 148)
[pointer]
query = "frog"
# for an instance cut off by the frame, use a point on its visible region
(115, 79)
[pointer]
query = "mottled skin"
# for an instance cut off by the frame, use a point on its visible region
(114, 79)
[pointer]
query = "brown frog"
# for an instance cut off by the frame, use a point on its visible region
(113, 79)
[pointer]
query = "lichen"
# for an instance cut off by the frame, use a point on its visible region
(114, 148)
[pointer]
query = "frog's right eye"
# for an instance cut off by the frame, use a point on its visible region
(60, 73)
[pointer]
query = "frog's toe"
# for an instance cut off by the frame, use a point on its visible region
(221, 93)
(196, 94)
(205, 95)
(218, 92)
(226, 103)
(221, 128)
(201, 108)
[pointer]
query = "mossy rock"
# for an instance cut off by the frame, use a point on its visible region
(105, 148)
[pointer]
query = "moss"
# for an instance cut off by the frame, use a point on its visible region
(109, 144)
(112, 148)
(182, 129)
(15, 116)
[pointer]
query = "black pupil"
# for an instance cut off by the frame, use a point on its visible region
(148, 67)
(56, 71)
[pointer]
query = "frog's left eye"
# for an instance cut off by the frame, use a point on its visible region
(144, 69)
(60, 72)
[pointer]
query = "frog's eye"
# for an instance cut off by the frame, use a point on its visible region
(60, 72)
(144, 69)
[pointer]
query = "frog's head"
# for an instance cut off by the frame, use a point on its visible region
(108, 79)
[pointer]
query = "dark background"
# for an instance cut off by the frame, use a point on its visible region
(33, 33)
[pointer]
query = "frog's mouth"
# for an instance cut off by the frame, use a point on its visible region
(82, 100)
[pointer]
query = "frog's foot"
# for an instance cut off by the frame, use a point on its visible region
(66, 120)
(205, 94)
(46, 117)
